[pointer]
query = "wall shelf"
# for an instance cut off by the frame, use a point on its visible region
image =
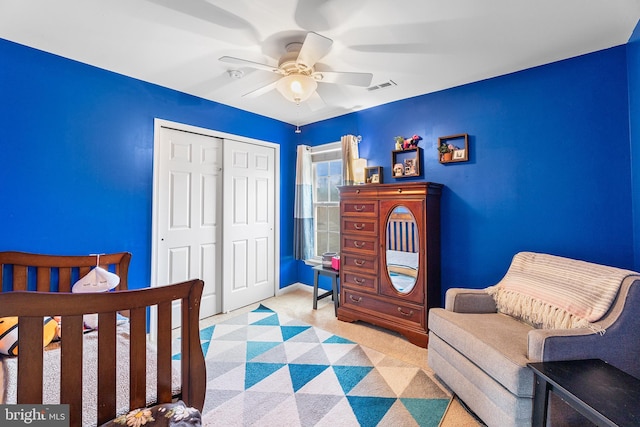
(405, 163)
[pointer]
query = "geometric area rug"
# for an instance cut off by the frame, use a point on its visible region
(266, 369)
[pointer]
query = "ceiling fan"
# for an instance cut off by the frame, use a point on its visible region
(300, 79)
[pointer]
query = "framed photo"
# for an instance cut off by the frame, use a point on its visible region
(375, 178)
(459, 154)
(410, 167)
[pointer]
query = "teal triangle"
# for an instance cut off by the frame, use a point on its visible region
(256, 348)
(292, 331)
(256, 372)
(263, 308)
(205, 347)
(302, 374)
(268, 321)
(426, 412)
(370, 410)
(337, 340)
(176, 356)
(207, 333)
(350, 376)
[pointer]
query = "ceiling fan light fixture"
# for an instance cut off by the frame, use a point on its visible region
(297, 87)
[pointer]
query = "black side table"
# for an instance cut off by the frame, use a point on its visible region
(602, 393)
(330, 272)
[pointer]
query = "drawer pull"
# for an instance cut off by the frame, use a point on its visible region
(359, 226)
(354, 299)
(404, 313)
(359, 281)
(358, 245)
(359, 262)
(399, 190)
(358, 191)
(359, 208)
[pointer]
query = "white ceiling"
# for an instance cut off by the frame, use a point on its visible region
(421, 45)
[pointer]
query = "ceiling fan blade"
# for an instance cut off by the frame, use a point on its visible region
(247, 63)
(315, 102)
(314, 47)
(261, 90)
(341, 78)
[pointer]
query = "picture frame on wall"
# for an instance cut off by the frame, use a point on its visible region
(459, 154)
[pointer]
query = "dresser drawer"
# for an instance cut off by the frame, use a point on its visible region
(363, 245)
(358, 225)
(358, 281)
(389, 309)
(359, 207)
(359, 263)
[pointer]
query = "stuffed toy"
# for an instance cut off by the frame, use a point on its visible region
(9, 334)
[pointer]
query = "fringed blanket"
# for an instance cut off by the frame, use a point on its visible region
(552, 292)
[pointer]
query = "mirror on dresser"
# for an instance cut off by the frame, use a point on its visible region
(402, 249)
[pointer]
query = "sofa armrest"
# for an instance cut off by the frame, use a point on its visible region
(461, 300)
(549, 345)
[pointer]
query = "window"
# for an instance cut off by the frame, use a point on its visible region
(327, 176)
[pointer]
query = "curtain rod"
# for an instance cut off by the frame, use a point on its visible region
(328, 150)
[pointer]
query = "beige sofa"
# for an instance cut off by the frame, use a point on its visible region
(545, 308)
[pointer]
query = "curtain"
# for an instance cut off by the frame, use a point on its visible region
(303, 235)
(349, 154)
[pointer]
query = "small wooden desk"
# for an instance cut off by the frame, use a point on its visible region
(330, 272)
(602, 393)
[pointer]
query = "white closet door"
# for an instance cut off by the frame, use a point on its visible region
(188, 213)
(248, 237)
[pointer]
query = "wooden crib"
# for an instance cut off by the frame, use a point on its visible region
(35, 286)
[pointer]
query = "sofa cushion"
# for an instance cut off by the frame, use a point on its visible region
(495, 342)
(557, 293)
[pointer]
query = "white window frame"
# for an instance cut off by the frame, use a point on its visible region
(319, 153)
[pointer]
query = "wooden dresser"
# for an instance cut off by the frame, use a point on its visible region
(390, 255)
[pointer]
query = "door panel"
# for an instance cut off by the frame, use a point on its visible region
(249, 236)
(188, 213)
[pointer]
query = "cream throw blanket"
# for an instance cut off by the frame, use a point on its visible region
(552, 292)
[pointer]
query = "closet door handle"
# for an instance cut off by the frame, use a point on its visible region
(358, 208)
(359, 245)
(354, 299)
(404, 313)
(359, 262)
(359, 226)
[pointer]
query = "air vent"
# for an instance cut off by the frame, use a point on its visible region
(382, 85)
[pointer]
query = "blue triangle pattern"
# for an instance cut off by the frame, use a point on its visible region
(263, 308)
(427, 412)
(256, 372)
(268, 321)
(302, 374)
(350, 376)
(289, 332)
(256, 348)
(207, 333)
(337, 340)
(370, 410)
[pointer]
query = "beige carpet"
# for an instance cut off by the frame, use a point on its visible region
(298, 304)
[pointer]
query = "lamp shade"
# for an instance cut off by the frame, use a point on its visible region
(296, 87)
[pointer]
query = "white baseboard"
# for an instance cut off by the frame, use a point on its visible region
(294, 287)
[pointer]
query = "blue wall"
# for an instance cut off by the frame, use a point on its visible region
(633, 58)
(77, 154)
(549, 165)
